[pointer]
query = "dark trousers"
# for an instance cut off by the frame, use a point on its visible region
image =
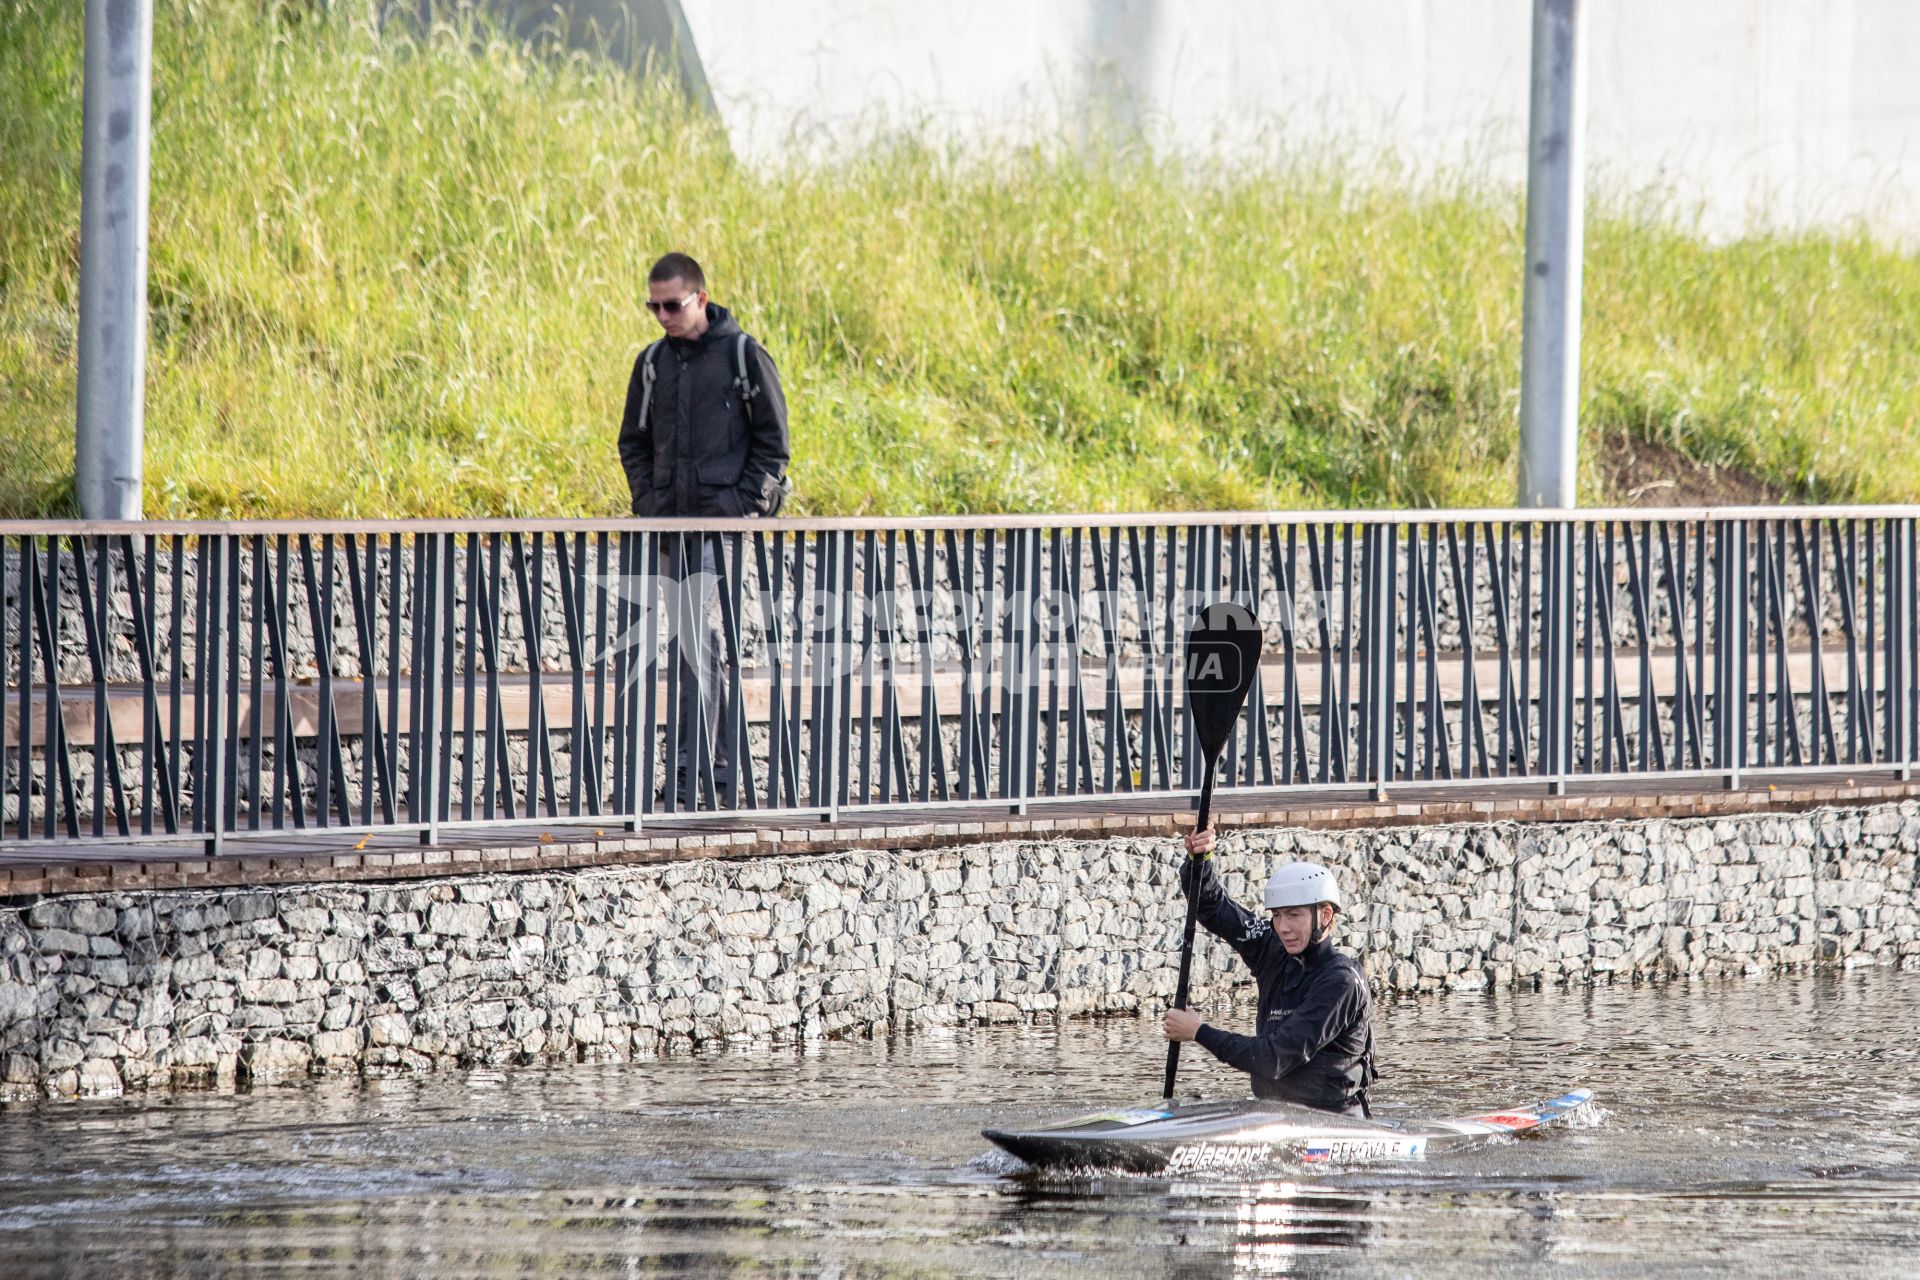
(706, 675)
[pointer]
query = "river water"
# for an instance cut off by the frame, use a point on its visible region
(1767, 1126)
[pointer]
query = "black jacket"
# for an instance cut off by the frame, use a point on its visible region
(1313, 1034)
(703, 453)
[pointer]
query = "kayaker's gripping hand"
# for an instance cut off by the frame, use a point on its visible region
(1199, 846)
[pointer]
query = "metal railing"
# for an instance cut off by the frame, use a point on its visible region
(217, 680)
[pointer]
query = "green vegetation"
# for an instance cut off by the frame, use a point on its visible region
(398, 276)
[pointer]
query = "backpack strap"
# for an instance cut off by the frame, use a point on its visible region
(741, 379)
(646, 381)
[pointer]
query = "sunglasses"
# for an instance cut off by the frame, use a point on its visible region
(672, 308)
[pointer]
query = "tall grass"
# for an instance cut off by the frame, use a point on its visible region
(401, 276)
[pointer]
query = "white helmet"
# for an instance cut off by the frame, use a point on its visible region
(1302, 884)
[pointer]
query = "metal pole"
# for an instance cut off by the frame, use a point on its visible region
(1556, 193)
(116, 123)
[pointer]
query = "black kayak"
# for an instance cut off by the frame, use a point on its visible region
(1224, 1137)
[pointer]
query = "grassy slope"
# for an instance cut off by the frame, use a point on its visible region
(394, 277)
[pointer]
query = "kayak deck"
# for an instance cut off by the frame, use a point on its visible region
(1250, 1133)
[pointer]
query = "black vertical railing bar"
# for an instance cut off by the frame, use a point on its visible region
(470, 674)
(1084, 550)
(1613, 737)
(1762, 592)
(1403, 718)
(1820, 727)
(24, 778)
(9, 728)
(920, 577)
(1320, 574)
(231, 664)
(496, 796)
(1116, 764)
(893, 745)
(94, 582)
(1865, 575)
(1293, 725)
(796, 669)
(600, 778)
(701, 603)
(1441, 743)
(1695, 593)
(418, 665)
(423, 755)
(1247, 587)
(1637, 616)
(214, 748)
(967, 608)
(1050, 614)
(625, 732)
(1367, 652)
(1173, 723)
(155, 747)
(176, 670)
(450, 643)
(202, 630)
(52, 612)
(1501, 599)
(1909, 579)
(288, 803)
(1352, 593)
(674, 785)
(1376, 616)
(997, 578)
(1740, 628)
(256, 548)
(1014, 650)
(769, 555)
(840, 726)
(1673, 569)
(732, 555)
(1589, 607)
(1525, 711)
(1378, 661)
(1258, 573)
(863, 753)
(820, 675)
(1154, 757)
(1846, 583)
(1565, 668)
(396, 609)
(1389, 639)
(1190, 584)
(646, 723)
(842, 731)
(1472, 724)
(570, 578)
(1786, 721)
(360, 591)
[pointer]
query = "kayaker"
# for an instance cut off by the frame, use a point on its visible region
(1313, 1037)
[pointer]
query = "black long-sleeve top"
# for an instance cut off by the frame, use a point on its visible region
(1313, 1033)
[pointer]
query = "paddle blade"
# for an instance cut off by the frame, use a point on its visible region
(1223, 652)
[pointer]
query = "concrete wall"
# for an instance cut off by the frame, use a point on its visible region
(104, 992)
(1779, 112)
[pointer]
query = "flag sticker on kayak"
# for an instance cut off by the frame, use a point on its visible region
(1342, 1150)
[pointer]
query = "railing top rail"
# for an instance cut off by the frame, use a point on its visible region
(1065, 520)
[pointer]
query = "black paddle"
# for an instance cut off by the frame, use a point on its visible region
(1223, 652)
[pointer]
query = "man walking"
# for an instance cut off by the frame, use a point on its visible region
(704, 434)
